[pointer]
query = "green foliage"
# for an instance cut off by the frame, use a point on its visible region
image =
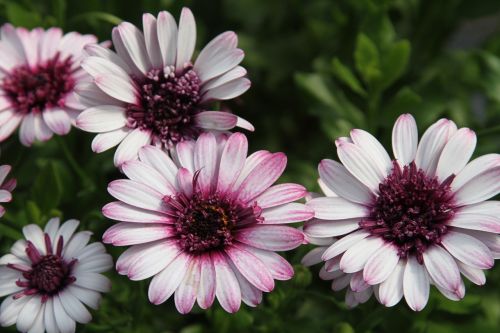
(318, 68)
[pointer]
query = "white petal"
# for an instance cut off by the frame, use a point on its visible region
(108, 140)
(344, 243)
(381, 264)
(328, 208)
(456, 153)
(391, 290)
(372, 148)
(360, 165)
(343, 183)
(468, 249)
(103, 118)
(475, 168)
(355, 258)
(130, 146)
(415, 284)
(186, 38)
(442, 268)
(151, 39)
(432, 143)
(167, 37)
(405, 139)
(133, 42)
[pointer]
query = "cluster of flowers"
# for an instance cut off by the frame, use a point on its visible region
(203, 218)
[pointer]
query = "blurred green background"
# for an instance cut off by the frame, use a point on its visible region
(318, 68)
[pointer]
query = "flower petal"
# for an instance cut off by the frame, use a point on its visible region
(468, 249)
(130, 146)
(415, 284)
(442, 268)
(270, 237)
(456, 153)
(328, 208)
(228, 290)
(405, 139)
(342, 182)
(432, 143)
(391, 289)
(164, 284)
(186, 39)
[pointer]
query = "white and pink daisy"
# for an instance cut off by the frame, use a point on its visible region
(207, 223)
(50, 277)
(151, 92)
(39, 70)
(6, 187)
(404, 224)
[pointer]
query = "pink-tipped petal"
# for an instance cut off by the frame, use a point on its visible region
(164, 284)
(468, 250)
(391, 289)
(186, 39)
(456, 153)
(381, 264)
(216, 120)
(185, 295)
(432, 143)
(232, 161)
(206, 289)
(122, 234)
(328, 208)
(336, 177)
(251, 268)
(442, 268)
(415, 284)
(227, 290)
(262, 176)
(405, 139)
(287, 213)
(271, 237)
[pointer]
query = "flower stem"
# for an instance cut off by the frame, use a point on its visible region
(87, 182)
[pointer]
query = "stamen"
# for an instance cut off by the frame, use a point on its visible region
(168, 103)
(411, 211)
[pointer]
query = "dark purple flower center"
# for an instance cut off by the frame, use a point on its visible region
(48, 274)
(168, 102)
(207, 221)
(34, 89)
(411, 211)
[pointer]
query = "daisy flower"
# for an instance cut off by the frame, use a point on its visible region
(151, 92)
(404, 224)
(207, 223)
(50, 277)
(39, 71)
(6, 187)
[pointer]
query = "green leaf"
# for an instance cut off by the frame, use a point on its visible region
(33, 212)
(405, 101)
(48, 188)
(394, 63)
(344, 74)
(91, 17)
(367, 59)
(316, 87)
(20, 16)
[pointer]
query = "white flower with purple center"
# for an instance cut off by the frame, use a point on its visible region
(39, 71)
(404, 224)
(150, 91)
(207, 223)
(50, 277)
(6, 187)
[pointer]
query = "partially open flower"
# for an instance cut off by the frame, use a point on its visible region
(39, 72)
(207, 224)
(50, 277)
(406, 223)
(151, 91)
